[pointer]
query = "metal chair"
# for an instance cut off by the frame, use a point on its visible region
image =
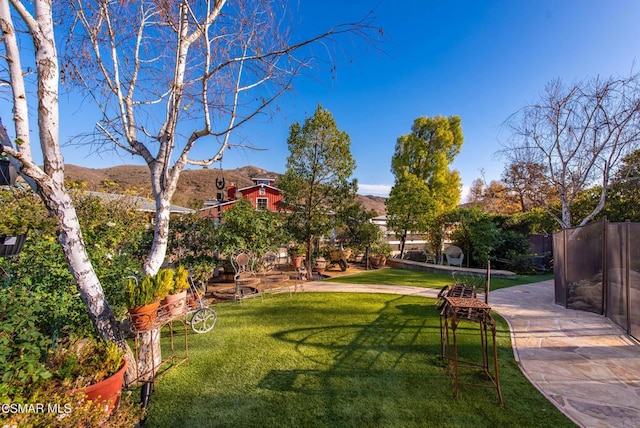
(245, 279)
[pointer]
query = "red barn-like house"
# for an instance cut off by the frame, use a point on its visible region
(262, 195)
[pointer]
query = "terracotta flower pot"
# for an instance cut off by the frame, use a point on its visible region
(175, 303)
(143, 317)
(108, 390)
(297, 261)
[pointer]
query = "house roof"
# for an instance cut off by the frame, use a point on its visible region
(259, 185)
(218, 204)
(140, 203)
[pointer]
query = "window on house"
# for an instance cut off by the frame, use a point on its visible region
(262, 203)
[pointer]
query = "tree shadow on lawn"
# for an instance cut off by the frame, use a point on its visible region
(349, 370)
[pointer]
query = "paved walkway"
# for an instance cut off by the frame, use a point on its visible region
(582, 362)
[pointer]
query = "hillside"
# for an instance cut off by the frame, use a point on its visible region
(194, 184)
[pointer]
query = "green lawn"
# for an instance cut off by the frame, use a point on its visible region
(338, 360)
(426, 279)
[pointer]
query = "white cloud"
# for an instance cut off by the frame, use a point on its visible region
(384, 189)
(374, 189)
(464, 193)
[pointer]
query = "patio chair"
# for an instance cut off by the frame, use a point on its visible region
(245, 279)
(454, 256)
(270, 280)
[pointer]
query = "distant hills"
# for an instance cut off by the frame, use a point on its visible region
(194, 185)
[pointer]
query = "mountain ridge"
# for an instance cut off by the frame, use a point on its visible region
(194, 186)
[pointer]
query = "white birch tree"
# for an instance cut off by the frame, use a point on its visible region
(167, 76)
(48, 180)
(576, 135)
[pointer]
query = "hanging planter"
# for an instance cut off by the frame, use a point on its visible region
(175, 303)
(143, 317)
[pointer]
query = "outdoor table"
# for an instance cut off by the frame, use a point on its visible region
(471, 309)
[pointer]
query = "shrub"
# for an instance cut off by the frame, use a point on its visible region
(22, 345)
(74, 410)
(181, 280)
(115, 238)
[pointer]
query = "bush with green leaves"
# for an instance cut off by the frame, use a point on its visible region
(476, 234)
(150, 288)
(164, 282)
(116, 238)
(22, 210)
(22, 345)
(191, 238)
(139, 293)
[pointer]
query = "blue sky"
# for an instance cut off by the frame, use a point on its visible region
(480, 60)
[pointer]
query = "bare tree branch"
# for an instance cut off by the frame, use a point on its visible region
(579, 133)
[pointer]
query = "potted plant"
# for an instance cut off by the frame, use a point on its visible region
(297, 253)
(384, 251)
(320, 264)
(175, 300)
(379, 253)
(143, 298)
(320, 261)
(94, 367)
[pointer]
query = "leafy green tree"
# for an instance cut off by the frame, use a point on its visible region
(410, 207)
(245, 227)
(425, 187)
(316, 183)
(476, 234)
(357, 230)
(623, 197)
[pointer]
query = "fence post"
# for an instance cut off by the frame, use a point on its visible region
(564, 268)
(627, 268)
(605, 275)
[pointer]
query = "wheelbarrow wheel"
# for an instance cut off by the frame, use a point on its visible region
(203, 320)
(343, 265)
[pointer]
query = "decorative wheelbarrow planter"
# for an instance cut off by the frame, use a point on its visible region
(340, 258)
